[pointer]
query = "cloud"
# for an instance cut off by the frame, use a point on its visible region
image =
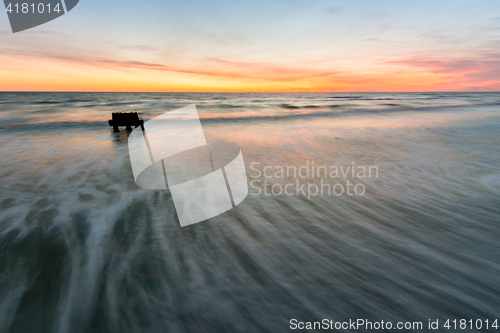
(139, 47)
(230, 69)
(212, 67)
(334, 10)
(483, 69)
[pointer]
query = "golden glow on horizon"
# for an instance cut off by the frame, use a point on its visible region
(30, 73)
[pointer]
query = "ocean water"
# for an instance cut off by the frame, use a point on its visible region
(83, 249)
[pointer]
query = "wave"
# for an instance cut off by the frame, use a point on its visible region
(48, 126)
(343, 97)
(293, 107)
(338, 111)
(26, 125)
(221, 106)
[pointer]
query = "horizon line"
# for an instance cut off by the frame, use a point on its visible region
(252, 92)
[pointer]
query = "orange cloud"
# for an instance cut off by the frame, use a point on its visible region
(481, 72)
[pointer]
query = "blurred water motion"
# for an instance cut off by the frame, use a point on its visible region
(83, 249)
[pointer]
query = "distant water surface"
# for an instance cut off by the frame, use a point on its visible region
(83, 249)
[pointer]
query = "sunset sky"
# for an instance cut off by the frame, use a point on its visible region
(258, 45)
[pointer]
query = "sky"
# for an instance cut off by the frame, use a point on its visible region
(258, 45)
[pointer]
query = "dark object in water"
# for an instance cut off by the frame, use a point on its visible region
(128, 119)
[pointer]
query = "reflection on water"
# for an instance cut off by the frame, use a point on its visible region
(83, 249)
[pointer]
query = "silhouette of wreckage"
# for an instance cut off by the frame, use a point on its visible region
(127, 119)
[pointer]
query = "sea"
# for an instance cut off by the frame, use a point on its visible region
(362, 207)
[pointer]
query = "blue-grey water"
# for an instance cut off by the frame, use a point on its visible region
(83, 249)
